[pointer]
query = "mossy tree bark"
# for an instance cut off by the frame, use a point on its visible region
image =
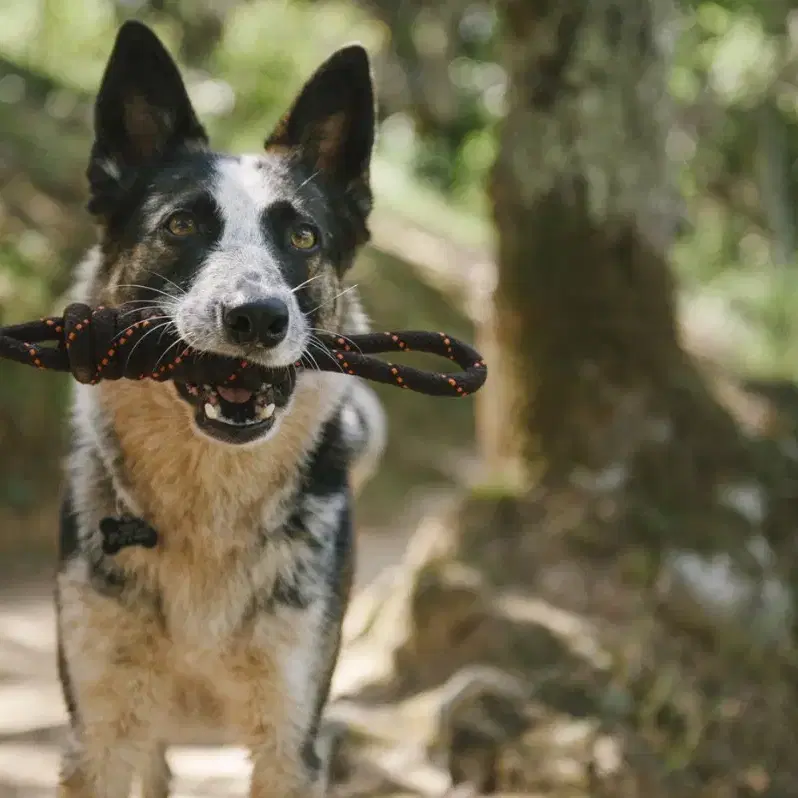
(602, 394)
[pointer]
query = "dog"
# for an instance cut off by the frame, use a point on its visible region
(228, 630)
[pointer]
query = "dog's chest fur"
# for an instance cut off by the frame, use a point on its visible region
(238, 594)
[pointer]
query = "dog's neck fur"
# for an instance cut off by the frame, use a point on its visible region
(188, 487)
(182, 480)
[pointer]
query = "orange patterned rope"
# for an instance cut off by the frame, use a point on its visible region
(115, 343)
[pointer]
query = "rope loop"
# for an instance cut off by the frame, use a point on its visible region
(95, 344)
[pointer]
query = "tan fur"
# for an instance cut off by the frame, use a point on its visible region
(164, 455)
(243, 686)
(197, 672)
(329, 138)
(142, 124)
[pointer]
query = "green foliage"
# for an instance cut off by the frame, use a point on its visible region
(451, 151)
(735, 146)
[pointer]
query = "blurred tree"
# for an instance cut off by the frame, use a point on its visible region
(200, 23)
(440, 69)
(641, 503)
(586, 209)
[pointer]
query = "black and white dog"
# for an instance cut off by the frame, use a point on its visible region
(230, 626)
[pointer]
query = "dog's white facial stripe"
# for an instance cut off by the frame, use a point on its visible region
(243, 266)
(242, 192)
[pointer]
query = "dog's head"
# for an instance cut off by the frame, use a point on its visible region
(244, 256)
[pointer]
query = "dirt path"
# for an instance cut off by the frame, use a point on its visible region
(32, 714)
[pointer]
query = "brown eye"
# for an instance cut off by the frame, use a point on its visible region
(181, 224)
(304, 237)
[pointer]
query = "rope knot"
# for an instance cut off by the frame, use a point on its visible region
(102, 343)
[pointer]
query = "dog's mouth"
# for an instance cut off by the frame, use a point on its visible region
(233, 414)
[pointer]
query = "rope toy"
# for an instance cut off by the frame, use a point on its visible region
(125, 342)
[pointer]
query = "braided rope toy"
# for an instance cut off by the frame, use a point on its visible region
(114, 343)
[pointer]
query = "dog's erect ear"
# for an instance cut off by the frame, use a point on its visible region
(331, 124)
(142, 111)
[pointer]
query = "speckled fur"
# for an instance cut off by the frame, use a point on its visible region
(227, 631)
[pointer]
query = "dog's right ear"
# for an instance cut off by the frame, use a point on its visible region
(142, 113)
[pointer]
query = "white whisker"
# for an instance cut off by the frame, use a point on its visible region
(137, 301)
(166, 351)
(305, 182)
(138, 310)
(309, 280)
(131, 326)
(315, 340)
(167, 280)
(148, 288)
(154, 329)
(332, 299)
(336, 335)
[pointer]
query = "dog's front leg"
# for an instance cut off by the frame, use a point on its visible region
(95, 766)
(284, 774)
(101, 759)
(156, 775)
(270, 702)
(281, 765)
(113, 674)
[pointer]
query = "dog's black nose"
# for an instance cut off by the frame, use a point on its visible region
(263, 322)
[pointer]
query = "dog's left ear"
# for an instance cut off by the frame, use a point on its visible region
(331, 124)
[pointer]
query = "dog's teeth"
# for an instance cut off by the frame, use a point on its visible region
(265, 412)
(211, 411)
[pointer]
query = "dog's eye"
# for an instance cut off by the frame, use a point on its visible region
(181, 224)
(304, 237)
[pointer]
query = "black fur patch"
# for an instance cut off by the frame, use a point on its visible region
(331, 124)
(343, 570)
(68, 542)
(304, 195)
(328, 469)
(326, 476)
(67, 690)
(137, 221)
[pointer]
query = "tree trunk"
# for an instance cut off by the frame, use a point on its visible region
(583, 205)
(603, 397)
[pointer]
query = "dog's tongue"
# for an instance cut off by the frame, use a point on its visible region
(237, 396)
